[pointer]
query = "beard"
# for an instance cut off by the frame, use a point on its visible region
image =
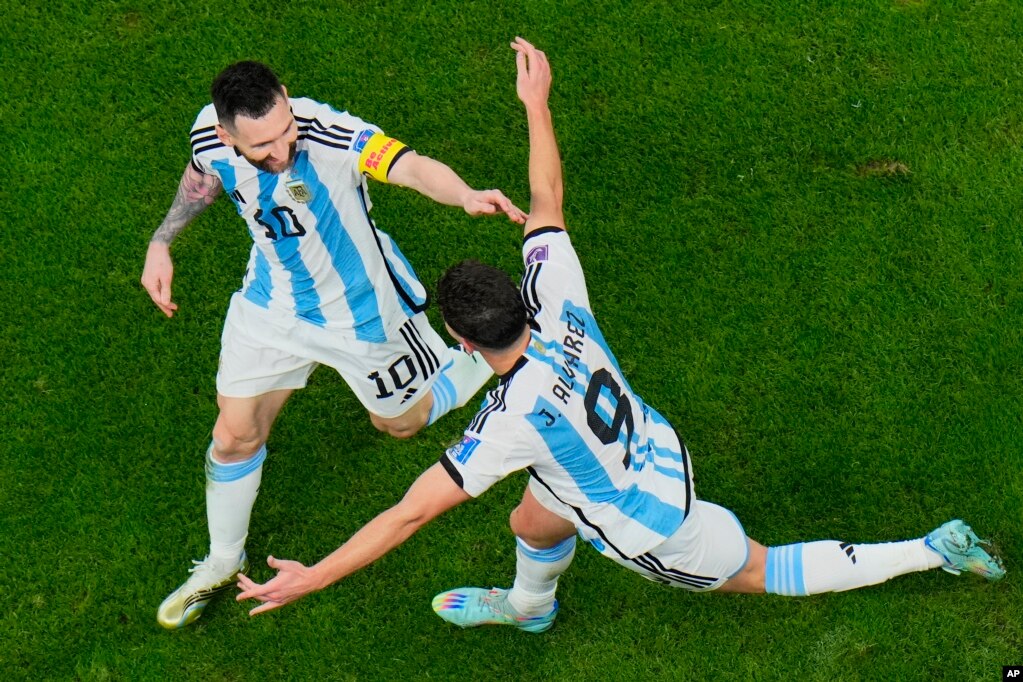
(266, 165)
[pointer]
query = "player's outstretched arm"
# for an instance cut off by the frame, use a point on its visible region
(196, 191)
(432, 494)
(533, 86)
(436, 180)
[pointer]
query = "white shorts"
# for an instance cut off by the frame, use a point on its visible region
(707, 549)
(262, 351)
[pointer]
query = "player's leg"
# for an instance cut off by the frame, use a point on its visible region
(407, 381)
(406, 424)
(833, 566)
(461, 376)
(234, 469)
(545, 546)
(259, 369)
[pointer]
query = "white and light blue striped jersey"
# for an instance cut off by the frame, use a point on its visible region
(567, 415)
(316, 254)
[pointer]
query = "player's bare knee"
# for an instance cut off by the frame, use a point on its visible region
(526, 528)
(403, 431)
(399, 427)
(379, 423)
(236, 445)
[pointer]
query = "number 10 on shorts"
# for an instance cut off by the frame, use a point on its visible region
(400, 374)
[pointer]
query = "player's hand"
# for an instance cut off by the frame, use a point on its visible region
(293, 581)
(491, 201)
(533, 83)
(157, 275)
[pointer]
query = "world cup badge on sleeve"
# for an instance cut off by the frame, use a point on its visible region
(299, 191)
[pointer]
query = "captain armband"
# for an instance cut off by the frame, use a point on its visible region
(377, 153)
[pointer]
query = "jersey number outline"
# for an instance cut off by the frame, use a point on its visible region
(608, 433)
(287, 223)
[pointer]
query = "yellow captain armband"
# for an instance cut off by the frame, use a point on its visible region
(378, 153)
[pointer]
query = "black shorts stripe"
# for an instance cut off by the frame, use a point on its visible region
(430, 355)
(682, 575)
(416, 351)
(424, 354)
(649, 563)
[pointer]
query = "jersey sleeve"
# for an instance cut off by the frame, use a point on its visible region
(553, 274)
(489, 451)
(377, 153)
(204, 141)
(356, 147)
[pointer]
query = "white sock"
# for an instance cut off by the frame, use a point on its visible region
(536, 576)
(460, 378)
(832, 566)
(231, 491)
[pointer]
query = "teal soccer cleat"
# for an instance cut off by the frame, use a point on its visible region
(185, 604)
(470, 607)
(961, 549)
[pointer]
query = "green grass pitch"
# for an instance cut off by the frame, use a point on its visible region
(800, 225)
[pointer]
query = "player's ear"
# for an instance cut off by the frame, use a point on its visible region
(224, 136)
(284, 90)
(467, 346)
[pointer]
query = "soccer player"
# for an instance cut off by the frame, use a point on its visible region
(323, 286)
(602, 464)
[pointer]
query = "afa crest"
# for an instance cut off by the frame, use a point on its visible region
(299, 191)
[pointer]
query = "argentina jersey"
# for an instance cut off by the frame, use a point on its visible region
(316, 255)
(606, 461)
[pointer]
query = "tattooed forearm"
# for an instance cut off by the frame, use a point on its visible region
(195, 192)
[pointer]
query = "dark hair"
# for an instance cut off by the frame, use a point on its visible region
(248, 89)
(482, 304)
